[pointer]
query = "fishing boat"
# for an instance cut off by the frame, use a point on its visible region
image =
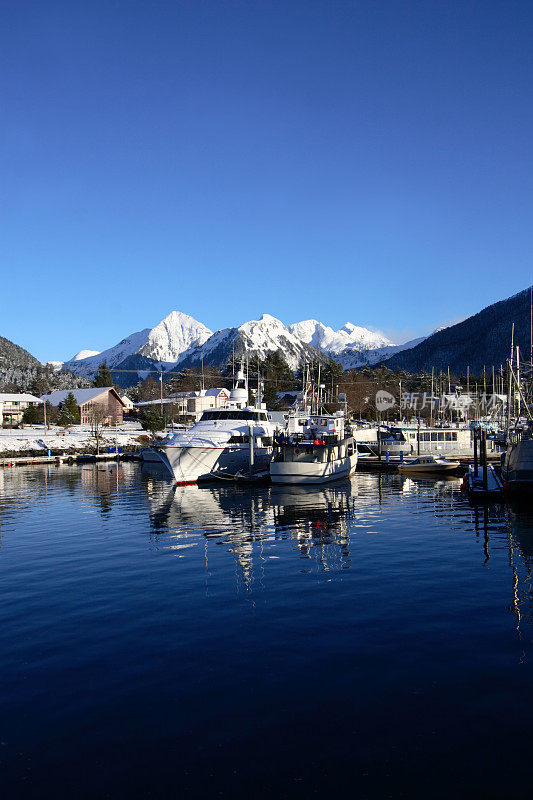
(233, 438)
(428, 465)
(315, 449)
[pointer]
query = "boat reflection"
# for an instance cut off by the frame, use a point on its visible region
(246, 518)
(510, 529)
(316, 517)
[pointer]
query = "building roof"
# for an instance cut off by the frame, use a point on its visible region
(17, 398)
(80, 395)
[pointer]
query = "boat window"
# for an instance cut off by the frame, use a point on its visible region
(454, 436)
(434, 437)
(324, 423)
(210, 415)
(302, 422)
(441, 437)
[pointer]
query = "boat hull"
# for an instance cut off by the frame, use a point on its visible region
(192, 464)
(292, 472)
(517, 470)
(427, 469)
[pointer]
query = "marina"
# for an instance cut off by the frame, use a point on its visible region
(266, 401)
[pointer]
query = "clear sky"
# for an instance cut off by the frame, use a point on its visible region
(365, 161)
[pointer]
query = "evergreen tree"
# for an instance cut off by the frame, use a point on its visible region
(152, 420)
(69, 412)
(103, 376)
(30, 416)
(39, 386)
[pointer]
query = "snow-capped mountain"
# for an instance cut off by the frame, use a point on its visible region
(352, 346)
(165, 343)
(353, 358)
(179, 341)
(259, 337)
(335, 342)
(174, 336)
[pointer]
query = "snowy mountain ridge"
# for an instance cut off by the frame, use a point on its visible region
(180, 340)
(164, 344)
(334, 342)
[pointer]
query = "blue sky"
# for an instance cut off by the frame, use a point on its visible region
(362, 161)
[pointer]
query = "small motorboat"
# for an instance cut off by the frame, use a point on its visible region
(428, 464)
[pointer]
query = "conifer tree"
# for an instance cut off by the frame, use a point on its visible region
(103, 376)
(152, 420)
(69, 412)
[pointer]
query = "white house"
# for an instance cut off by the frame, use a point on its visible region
(13, 406)
(128, 404)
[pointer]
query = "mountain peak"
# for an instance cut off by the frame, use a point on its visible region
(175, 334)
(268, 318)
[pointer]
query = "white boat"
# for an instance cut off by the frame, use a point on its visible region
(234, 438)
(314, 450)
(427, 464)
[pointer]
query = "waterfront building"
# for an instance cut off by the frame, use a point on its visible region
(103, 402)
(13, 405)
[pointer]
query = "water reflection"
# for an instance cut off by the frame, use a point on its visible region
(384, 614)
(317, 525)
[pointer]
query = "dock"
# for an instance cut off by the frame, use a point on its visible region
(391, 464)
(65, 458)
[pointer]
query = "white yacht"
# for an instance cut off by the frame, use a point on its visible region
(315, 449)
(232, 438)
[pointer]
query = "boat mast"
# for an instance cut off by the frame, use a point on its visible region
(519, 410)
(509, 382)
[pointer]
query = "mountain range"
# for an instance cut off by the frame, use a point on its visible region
(180, 341)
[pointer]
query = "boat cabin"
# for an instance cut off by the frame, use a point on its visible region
(320, 427)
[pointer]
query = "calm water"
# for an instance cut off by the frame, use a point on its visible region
(372, 639)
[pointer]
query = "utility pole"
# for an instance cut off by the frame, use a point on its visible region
(161, 390)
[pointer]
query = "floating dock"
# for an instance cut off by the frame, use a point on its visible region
(65, 458)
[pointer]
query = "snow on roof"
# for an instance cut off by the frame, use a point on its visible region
(17, 398)
(80, 395)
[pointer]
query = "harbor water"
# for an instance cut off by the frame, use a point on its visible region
(372, 638)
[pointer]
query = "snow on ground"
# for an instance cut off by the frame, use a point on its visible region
(32, 438)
